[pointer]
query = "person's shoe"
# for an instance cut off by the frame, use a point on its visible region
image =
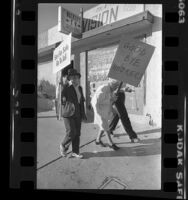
(135, 140)
(100, 143)
(77, 155)
(62, 151)
(114, 147)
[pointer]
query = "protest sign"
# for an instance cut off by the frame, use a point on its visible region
(130, 62)
(62, 54)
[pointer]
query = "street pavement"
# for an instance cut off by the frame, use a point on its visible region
(134, 166)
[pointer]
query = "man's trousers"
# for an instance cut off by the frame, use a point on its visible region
(73, 131)
(123, 115)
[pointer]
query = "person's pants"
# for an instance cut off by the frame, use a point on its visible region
(73, 128)
(123, 115)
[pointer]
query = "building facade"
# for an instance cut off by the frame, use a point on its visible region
(94, 52)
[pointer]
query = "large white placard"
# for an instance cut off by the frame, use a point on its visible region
(62, 54)
(130, 62)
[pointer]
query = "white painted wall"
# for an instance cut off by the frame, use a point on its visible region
(154, 70)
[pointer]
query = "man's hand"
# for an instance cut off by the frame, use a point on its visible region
(128, 89)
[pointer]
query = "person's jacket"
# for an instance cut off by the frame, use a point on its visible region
(121, 94)
(69, 94)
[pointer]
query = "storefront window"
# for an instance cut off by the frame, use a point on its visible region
(99, 62)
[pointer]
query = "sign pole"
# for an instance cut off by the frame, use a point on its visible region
(59, 111)
(59, 94)
(120, 85)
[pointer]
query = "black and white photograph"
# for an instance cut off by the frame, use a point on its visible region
(99, 96)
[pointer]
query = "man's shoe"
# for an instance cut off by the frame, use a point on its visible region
(100, 143)
(77, 155)
(135, 140)
(114, 147)
(62, 151)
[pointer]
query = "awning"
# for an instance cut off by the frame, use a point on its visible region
(136, 25)
(140, 24)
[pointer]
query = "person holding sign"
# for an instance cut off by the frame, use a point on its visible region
(121, 113)
(129, 64)
(73, 113)
(62, 83)
(102, 102)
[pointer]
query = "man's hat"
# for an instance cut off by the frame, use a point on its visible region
(73, 72)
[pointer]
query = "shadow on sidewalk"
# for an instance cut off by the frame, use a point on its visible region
(144, 148)
(140, 133)
(47, 117)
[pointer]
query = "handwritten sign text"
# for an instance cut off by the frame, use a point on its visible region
(62, 54)
(131, 60)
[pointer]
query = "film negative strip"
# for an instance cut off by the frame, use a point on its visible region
(24, 73)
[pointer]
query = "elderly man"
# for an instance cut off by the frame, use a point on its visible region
(102, 102)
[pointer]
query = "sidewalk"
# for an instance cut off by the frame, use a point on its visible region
(134, 166)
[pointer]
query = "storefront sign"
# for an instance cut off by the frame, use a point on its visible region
(100, 15)
(131, 60)
(62, 54)
(104, 14)
(68, 22)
